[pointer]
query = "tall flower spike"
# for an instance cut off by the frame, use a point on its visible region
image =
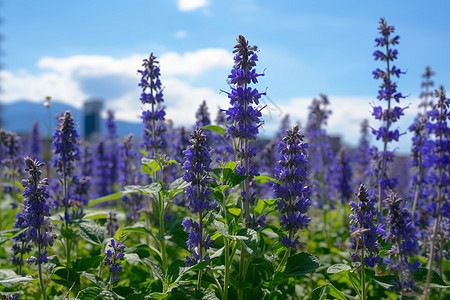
(438, 126)
(426, 93)
(198, 194)
(403, 237)
(360, 157)
(65, 145)
(365, 227)
(152, 93)
(65, 155)
(387, 92)
(294, 192)
(36, 216)
(244, 113)
(343, 176)
(320, 152)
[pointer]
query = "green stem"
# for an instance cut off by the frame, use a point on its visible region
(227, 269)
(284, 260)
(363, 273)
(41, 280)
(241, 272)
(161, 234)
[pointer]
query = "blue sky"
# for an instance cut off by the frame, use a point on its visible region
(73, 50)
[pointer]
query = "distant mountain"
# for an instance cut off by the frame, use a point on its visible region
(20, 116)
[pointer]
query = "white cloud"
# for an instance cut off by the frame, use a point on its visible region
(190, 5)
(181, 34)
(345, 120)
(77, 78)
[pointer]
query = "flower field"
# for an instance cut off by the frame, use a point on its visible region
(212, 211)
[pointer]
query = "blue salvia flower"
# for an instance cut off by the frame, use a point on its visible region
(102, 170)
(10, 161)
(111, 125)
(34, 142)
(294, 192)
(66, 155)
(112, 148)
(244, 114)
(388, 92)
(198, 194)
(114, 256)
(401, 233)
(222, 144)
(111, 223)
(11, 297)
(343, 176)
(65, 146)
(36, 215)
(419, 187)
(152, 93)
(202, 115)
(439, 157)
(426, 93)
(365, 227)
(128, 176)
(320, 152)
(360, 158)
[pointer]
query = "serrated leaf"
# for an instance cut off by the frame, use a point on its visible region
(9, 278)
(92, 232)
(156, 268)
(436, 279)
(221, 227)
(175, 270)
(329, 289)
(251, 242)
(337, 268)
(89, 293)
(300, 264)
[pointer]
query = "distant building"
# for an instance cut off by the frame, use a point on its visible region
(91, 111)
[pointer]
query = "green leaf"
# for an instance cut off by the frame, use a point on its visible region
(235, 211)
(236, 179)
(90, 293)
(219, 129)
(220, 227)
(87, 263)
(338, 268)
(151, 163)
(175, 269)
(143, 152)
(251, 242)
(96, 215)
(151, 189)
(329, 289)
(156, 268)
(9, 278)
(263, 179)
(92, 232)
(158, 295)
(300, 264)
(436, 280)
(105, 198)
(119, 232)
(177, 187)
